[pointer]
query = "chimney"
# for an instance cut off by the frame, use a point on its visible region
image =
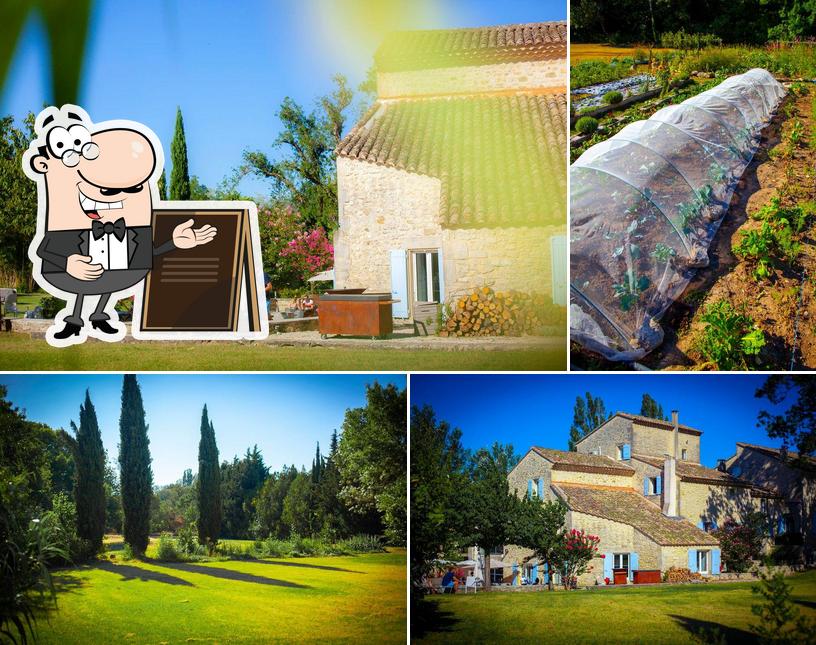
(783, 452)
(670, 473)
(721, 465)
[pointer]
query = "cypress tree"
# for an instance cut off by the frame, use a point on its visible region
(180, 173)
(163, 185)
(209, 485)
(89, 492)
(317, 466)
(134, 465)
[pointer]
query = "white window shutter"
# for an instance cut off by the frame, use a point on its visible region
(399, 283)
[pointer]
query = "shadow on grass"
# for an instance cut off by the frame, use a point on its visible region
(428, 618)
(705, 631)
(306, 565)
(129, 572)
(806, 603)
(227, 574)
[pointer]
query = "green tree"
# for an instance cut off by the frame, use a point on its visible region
(372, 456)
(180, 173)
(297, 508)
(651, 408)
(19, 198)
(162, 183)
(588, 414)
(89, 492)
(241, 480)
(304, 174)
(539, 526)
(333, 515)
(437, 480)
(209, 485)
(487, 506)
(780, 621)
(113, 500)
(268, 504)
(135, 473)
(797, 424)
(187, 477)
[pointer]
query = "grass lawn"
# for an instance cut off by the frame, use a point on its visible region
(359, 598)
(630, 615)
(595, 51)
(21, 352)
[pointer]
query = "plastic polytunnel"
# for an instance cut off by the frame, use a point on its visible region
(646, 203)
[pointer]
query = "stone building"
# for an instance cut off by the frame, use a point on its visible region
(794, 480)
(456, 177)
(638, 484)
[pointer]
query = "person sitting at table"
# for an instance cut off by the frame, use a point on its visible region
(449, 581)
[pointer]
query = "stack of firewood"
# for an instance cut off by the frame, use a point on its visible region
(681, 574)
(496, 313)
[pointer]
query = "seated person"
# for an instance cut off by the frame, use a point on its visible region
(449, 582)
(307, 303)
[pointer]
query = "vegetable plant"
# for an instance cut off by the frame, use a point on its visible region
(586, 125)
(729, 336)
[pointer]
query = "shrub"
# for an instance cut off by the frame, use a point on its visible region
(740, 543)
(64, 518)
(51, 306)
(127, 552)
(586, 125)
(729, 337)
(167, 551)
(640, 55)
(612, 98)
(363, 544)
(187, 540)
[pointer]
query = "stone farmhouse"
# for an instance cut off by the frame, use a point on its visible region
(782, 472)
(456, 177)
(638, 484)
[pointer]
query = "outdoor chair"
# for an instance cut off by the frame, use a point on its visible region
(470, 583)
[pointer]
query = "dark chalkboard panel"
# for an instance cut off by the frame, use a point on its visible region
(199, 289)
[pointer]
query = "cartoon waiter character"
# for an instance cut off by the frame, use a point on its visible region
(94, 241)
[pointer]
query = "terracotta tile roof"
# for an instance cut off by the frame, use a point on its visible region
(656, 423)
(626, 506)
(429, 49)
(564, 460)
(775, 452)
(501, 159)
(693, 472)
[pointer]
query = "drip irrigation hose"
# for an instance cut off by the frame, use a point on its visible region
(796, 318)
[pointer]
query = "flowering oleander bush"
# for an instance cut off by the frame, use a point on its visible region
(309, 253)
(579, 549)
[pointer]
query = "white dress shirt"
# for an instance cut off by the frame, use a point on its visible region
(109, 251)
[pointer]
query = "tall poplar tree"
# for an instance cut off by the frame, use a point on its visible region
(163, 185)
(89, 492)
(586, 416)
(134, 466)
(209, 485)
(651, 408)
(180, 173)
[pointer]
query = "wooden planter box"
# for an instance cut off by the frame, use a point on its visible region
(619, 576)
(647, 576)
(355, 314)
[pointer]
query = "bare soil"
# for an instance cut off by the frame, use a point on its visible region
(784, 306)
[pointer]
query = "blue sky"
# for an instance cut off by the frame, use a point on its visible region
(284, 414)
(527, 410)
(229, 65)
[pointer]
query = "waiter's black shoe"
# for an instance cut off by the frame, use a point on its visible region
(69, 330)
(103, 326)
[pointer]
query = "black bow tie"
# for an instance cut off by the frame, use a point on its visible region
(118, 228)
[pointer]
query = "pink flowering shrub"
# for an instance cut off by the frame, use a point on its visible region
(579, 549)
(291, 253)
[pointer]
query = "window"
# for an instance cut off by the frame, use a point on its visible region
(736, 471)
(702, 561)
(620, 451)
(652, 486)
(708, 526)
(683, 453)
(620, 561)
(534, 489)
(426, 276)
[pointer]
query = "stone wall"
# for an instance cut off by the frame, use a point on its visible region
(648, 552)
(715, 503)
(644, 471)
(519, 76)
(615, 538)
(595, 479)
(532, 466)
(605, 440)
(383, 209)
(658, 442)
(674, 556)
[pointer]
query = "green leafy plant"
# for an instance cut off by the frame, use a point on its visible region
(586, 125)
(728, 337)
(612, 98)
(167, 551)
(756, 246)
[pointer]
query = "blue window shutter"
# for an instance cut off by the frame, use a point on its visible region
(534, 574)
(540, 489)
(692, 560)
(546, 574)
(399, 283)
(515, 574)
(645, 485)
(558, 255)
(529, 489)
(780, 525)
(701, 525)
(715, 562)
(441, 276)
(633, 563)
(659, 486)
(627, 451)
(608, 565)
